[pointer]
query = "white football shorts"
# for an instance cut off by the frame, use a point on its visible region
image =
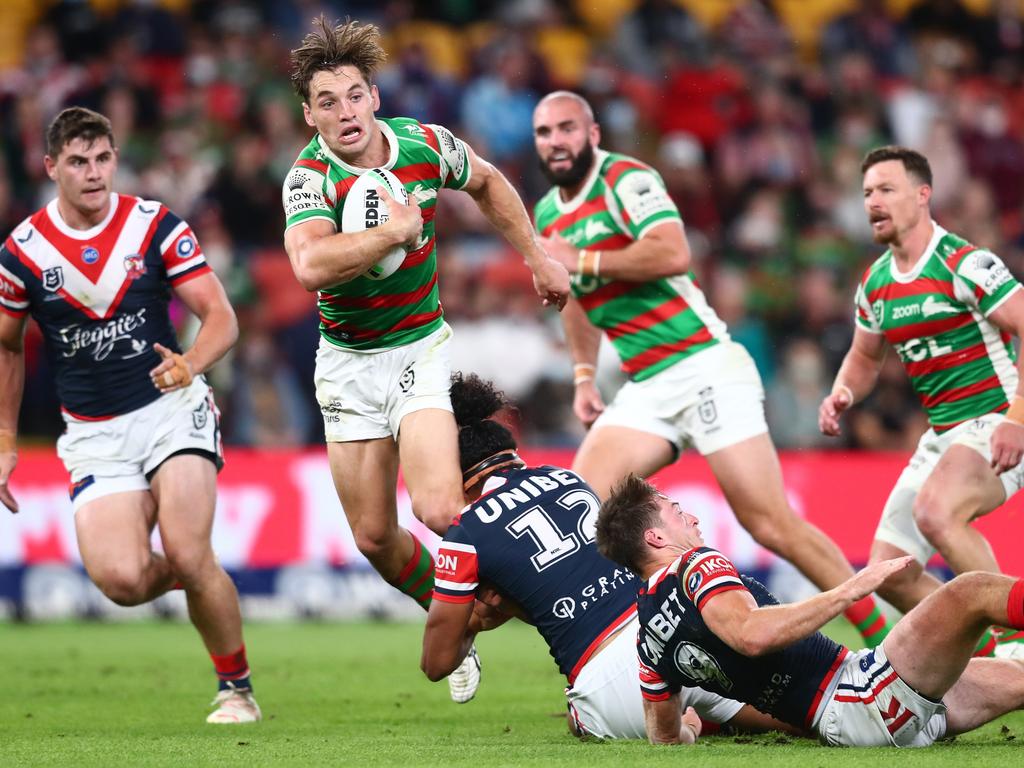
(365, 394)
(122, 453)
(871, 706)
(897, 525)
(710, 401)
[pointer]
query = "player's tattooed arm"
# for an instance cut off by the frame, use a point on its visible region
(12, 385)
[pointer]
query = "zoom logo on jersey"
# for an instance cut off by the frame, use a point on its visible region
(102, 337)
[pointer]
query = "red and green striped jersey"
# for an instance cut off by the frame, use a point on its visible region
(400, 309)
(935, 316)
(652, 324)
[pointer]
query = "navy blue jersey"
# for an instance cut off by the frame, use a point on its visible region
(677, 649)
(100, 297)
(531, 535)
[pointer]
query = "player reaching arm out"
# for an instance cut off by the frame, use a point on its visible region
(12, 384)
(500, 203)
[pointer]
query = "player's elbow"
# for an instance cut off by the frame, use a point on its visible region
(752, 643)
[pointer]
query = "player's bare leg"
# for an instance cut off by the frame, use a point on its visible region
(185, 490)
(610, 453)
(961, 488)
(908, 587)
(750, 476)
(114, 541)
(429, 446)
(932, 646)
(365, 474)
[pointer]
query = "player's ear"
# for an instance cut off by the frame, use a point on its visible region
(307, 115)
(375, 96)
(653, 538)
(50, 164)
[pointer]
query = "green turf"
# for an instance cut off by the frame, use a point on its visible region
(344, 694)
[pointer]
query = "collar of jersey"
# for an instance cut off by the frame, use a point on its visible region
(571, 205)
(80, 234)
(908, 277)
(389, 137)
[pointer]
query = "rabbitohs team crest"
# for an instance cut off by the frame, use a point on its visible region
(53, 279)
(135, 266)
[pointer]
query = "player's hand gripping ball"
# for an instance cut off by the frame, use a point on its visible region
(364, 209)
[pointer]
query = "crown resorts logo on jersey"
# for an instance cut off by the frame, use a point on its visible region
(90, 255)
(135, 266)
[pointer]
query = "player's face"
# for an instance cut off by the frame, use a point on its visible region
(679, 527)
(565, 138)
(84, 173)
(341, 107)
(894, 201)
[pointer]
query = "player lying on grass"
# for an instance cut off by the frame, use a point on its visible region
(702, 623)
(528, 534)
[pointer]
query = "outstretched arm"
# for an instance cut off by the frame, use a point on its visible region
(500, 203)
(12, 385)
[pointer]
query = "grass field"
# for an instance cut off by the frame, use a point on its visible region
(346, 694)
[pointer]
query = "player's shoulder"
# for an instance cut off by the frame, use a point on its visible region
(615, 165)
(310, 158)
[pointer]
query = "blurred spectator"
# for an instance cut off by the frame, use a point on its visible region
(655, 34)
(792, 400)
(890, 418)
(869, 29)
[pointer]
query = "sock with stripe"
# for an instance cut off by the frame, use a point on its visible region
(232, 670)
(1015, 605)
(869, 620)
(417, 577)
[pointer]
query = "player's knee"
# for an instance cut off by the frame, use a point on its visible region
(901, 587)
(190, 563)
(774, 533)
(375, 543)
(934, 518)
(122, 584)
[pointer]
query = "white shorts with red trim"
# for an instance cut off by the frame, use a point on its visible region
(710, 401)
(364, 395)
(897, 525)
(871, 706)
(605, 701)
(118, 454)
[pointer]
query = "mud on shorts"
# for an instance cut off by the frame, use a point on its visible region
(710, 401)
(897, 525)
(122, 453)
(871, 706)
(365, 394)
(605, 700)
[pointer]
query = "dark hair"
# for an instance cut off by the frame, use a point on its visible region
(474, 402)
(76, 123)
(630, 509)
(349, 44)
(915, 163)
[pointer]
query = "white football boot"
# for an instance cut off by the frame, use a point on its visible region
(463, 682)
(234, 705)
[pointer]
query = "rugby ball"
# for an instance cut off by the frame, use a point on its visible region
(364, 209)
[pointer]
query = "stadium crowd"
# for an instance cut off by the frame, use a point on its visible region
(757, 114)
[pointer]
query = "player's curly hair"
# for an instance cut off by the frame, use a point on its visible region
(630, 509)
(474, 402)
(76, 123)
(329, 47)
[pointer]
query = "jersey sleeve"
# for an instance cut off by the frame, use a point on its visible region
(456, 569)
(179, 248)
(643, 200)
(706, 573)
(13, 293)
(653, 686)
(455, 170)
(306, 195)
(988, 279)
(865, 316)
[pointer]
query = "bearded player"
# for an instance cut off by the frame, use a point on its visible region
(609, 220)
(382, 372)
(950, 310)
(96, 270)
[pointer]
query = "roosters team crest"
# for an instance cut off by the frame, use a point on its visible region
(135, 266)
